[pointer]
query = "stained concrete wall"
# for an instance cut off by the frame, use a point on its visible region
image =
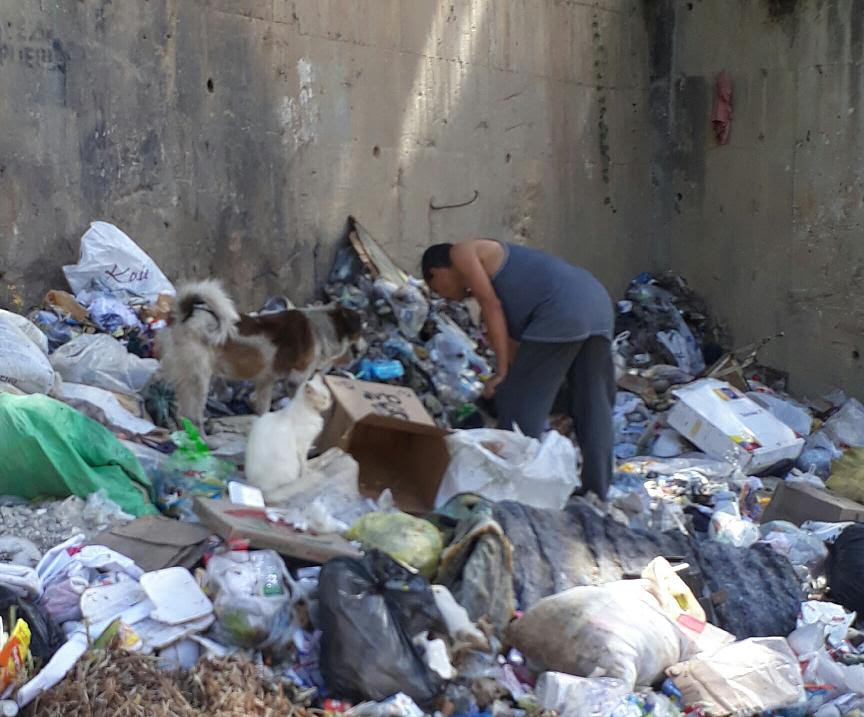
(769, 226)
(233, 137)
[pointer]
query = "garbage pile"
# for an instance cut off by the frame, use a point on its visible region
(406, 568)
(431, 345)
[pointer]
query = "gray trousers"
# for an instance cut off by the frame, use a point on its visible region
(535, 377)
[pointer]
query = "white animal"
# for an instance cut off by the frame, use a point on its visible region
(279, 442)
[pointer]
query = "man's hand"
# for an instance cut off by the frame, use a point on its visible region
(492, 385)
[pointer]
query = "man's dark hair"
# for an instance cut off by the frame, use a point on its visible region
(436, 256)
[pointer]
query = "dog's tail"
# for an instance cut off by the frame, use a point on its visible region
(205, 309)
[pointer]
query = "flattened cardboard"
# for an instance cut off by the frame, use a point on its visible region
(154, 542)
(799, 502)
(231, 522)
(391, 435)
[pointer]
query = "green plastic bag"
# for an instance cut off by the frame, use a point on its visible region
(412, 541)
(847, 475)
(48, 449)
(189, 472)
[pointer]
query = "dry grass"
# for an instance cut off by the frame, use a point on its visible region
(114, 683)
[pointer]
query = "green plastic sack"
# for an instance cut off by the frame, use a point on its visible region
(412, 541)
(847, 475)
(49, 449)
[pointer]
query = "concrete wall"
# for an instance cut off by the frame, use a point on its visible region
(233, 137)
(769, 226)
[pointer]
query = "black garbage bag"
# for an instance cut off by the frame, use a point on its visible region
(369, 609)
(45, 636)
(845, 568)
(755, 591)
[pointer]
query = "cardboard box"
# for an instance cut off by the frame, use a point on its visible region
(726, 424)
(237, 522)
(391, 435)
(799, 502)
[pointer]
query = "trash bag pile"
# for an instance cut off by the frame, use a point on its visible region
(408, 569)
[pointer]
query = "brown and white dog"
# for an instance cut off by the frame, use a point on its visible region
(206, 336)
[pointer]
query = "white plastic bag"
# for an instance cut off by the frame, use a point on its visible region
(22, 364)
(21, 579)
(326, 498)
(408, 303)
(833, 617)
(249, 592)
(806, 552)
(572, 696)
(613, 630)
(506, 465)
(792, 413)
(103, 406)
(28, 328)
(111, 260)
(102, 361)
(846, 427)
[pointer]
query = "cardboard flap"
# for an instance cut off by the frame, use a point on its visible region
(162, 531)
(402, 426)
(358, 399)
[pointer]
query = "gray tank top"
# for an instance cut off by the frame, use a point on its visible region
(545, 299)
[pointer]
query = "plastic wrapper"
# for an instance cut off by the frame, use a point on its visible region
(102, 361)
(506, 465)
(370, 610)
(23, 364)
(111, 261)
(251, 599)
(412, 541)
